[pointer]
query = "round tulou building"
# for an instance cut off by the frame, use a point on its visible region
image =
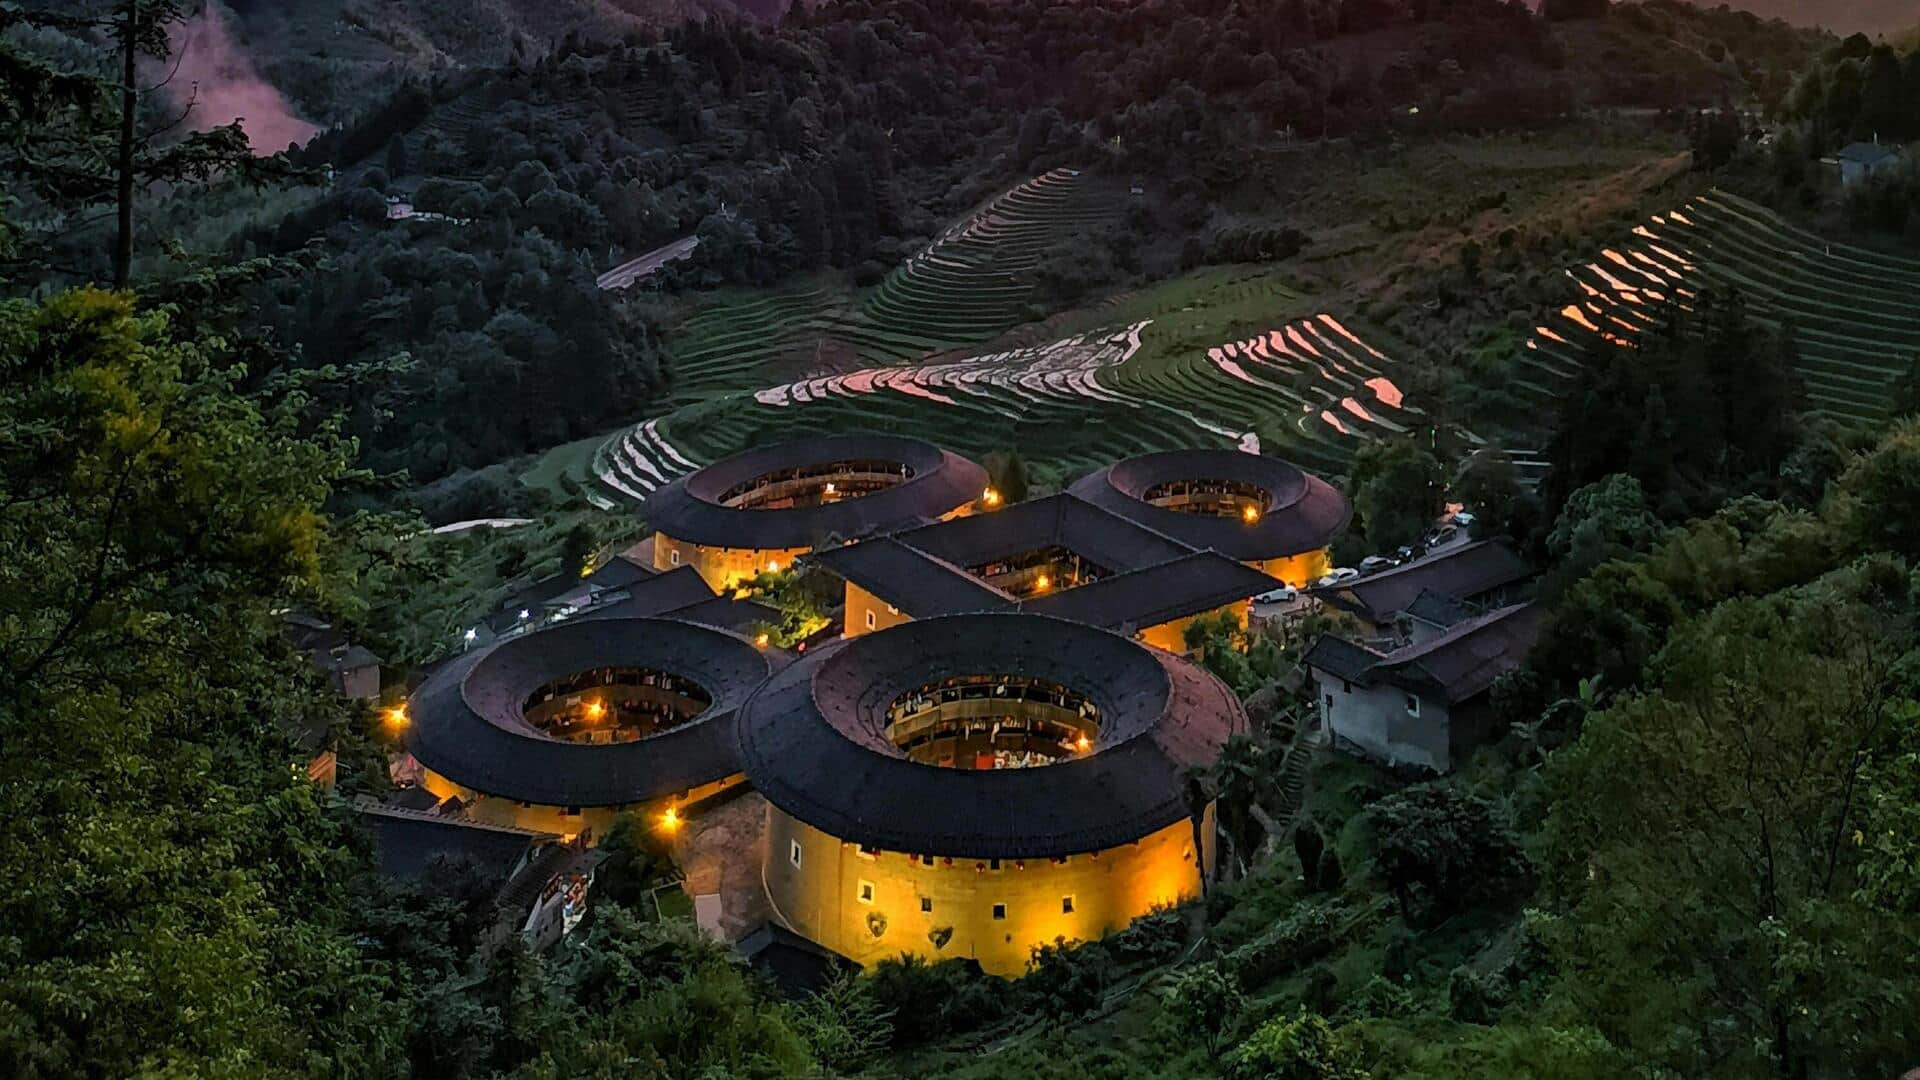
(561, 729)
(1259, 510)
(976, 785)
(761, 509)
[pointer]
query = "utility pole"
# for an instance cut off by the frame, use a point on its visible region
(129, 100)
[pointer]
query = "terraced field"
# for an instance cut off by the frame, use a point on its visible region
(976, 279)
(1856, 313)
(1218, 358)
(1313, 386)
(969, 285)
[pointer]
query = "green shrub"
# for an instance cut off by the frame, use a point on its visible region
(1152, 939)
(1303, 1048)
(1379, 998)
(845, 1024)
(933, 1001)
(1442, 849)
(1305, 935)
(1473, 998)
(1065, 978)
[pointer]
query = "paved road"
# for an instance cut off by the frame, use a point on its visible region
(634, 269)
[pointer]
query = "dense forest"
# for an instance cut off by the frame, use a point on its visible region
(232, 385)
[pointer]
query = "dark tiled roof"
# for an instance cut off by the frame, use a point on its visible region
(1439, 609)
(1463, 662)
(796, 965)
(1153, 578)
(1341, 658)
(727, 614)
(619, 571)
(1305, 512)
(1456, 666)
(467, 719)
(657, 594)
(409, 842)
(688, 509)
(813, 740)
(1107, 539)
(1866, 153)
(1185, 586)
(1464, 572)
(911, 580)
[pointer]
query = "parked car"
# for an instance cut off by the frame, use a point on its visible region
(1405, 552)
(1339, 577)
(1375, 563)
(1285, 594)
(1463, 519)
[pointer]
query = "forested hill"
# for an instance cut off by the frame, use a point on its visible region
(1840, 16)
(843, 139)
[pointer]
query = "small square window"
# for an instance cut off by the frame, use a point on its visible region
(999, 911)
(993, 864)
(1066, 905)
(1413, 705)
(870, 620)
(866, 892)
(926, 904)
(673, 557)
(793, 852)
(1329, 702)
(869, 852)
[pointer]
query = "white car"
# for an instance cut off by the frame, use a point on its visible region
(1373, 563)
(1339, 577)
(1463, 519)
(1285, 594)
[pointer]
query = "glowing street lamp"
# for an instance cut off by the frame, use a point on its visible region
(1042, 583)
(397, 717)
(1250, 513)
(990, 497)
(670, 820)
(1083, 744)
(760, 640)
(595, 710)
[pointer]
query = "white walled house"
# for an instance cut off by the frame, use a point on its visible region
(1422, 706)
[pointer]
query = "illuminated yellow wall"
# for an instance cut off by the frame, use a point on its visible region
(1297, 570)
(1172, 636)
(723, 568)
(860, 604)
(495, 810)
(820, 898)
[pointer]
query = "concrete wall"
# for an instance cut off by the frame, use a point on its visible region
(1297, 570)
(822, 897)
(494, 810)
(723, 568)
(1374, 720)
(361, 683)
(861, 604)
(1172, 635)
